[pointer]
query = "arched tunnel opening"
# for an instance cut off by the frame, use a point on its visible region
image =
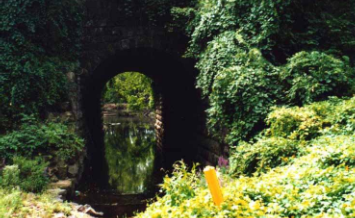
(177, 108)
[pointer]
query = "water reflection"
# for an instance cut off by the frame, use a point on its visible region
(129, 152)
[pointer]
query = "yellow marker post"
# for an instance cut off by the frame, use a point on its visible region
(213, 185)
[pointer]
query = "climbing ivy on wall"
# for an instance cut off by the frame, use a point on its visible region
(40, 41)
(254, 54)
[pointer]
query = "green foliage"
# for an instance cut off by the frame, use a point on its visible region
(39, 43)
(334, 116)
(263, 155)
(313, 75)
(180, 186)
(64, 141)
(292, 129)
(10, 176)
(34, 138)
(294, 123)
(253, 55)
(242, 94)
(33, 176)
(18, 204)
(278, 175)
(135, 89)
(27, 174)
(10, 201)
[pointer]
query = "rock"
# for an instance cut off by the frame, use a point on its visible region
(73, 170)
(62, 184)
(59, 215)
(57, 191)
(71, 77)
(60, 168)
(89, 210)
(75, 214)
(54, 178)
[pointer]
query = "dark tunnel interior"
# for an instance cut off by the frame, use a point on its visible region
(174, 89)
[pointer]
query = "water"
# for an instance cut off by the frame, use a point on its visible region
(129, 153)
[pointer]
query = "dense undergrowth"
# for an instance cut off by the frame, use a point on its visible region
(301, 166)
(39, 43)
(35, 138)
(253, 55)
(267, 69)
(25, 156)
(16, 203)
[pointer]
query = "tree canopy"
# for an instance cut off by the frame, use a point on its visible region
(132, 88)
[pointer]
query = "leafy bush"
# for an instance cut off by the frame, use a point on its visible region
(10, 201)
(18, 204)
(241, 96)
(303, 188)
(10, 176)
(342, 150)
(294, 123)
(64, 141)
(334, 116)
(33, 176)
(263, 155)
(292, 129)
(29, 175)
(295, 177)
(40, 42)
(181, 185)
(34, 138)
(253, 55)
(314, 75)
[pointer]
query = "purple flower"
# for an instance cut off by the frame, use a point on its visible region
(222, 163)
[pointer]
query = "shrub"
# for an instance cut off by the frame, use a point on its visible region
(263, 155)
(294, 123)
(340, 116)
(313, 76)
(18, 204)
(25, 141)
(242, 95)
(29, 175)
(40, 42)
(64, 141)
(295, 177)
(10, 201)
(243, 90)
(34, 138)
(181, 185)
(33, 177)
(10, 176)
(342, 150)
(304, 187)
(252, 55)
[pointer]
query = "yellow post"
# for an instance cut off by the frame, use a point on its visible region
(213, 185)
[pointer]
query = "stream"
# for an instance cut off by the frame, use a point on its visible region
(129, 153)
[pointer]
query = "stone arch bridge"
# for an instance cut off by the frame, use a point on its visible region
(113, 45)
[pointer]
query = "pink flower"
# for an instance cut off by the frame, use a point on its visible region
(222, 163)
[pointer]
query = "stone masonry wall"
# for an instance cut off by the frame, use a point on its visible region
(106, 35)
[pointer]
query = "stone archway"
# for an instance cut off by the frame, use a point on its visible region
(176, 99)
(113, 45)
